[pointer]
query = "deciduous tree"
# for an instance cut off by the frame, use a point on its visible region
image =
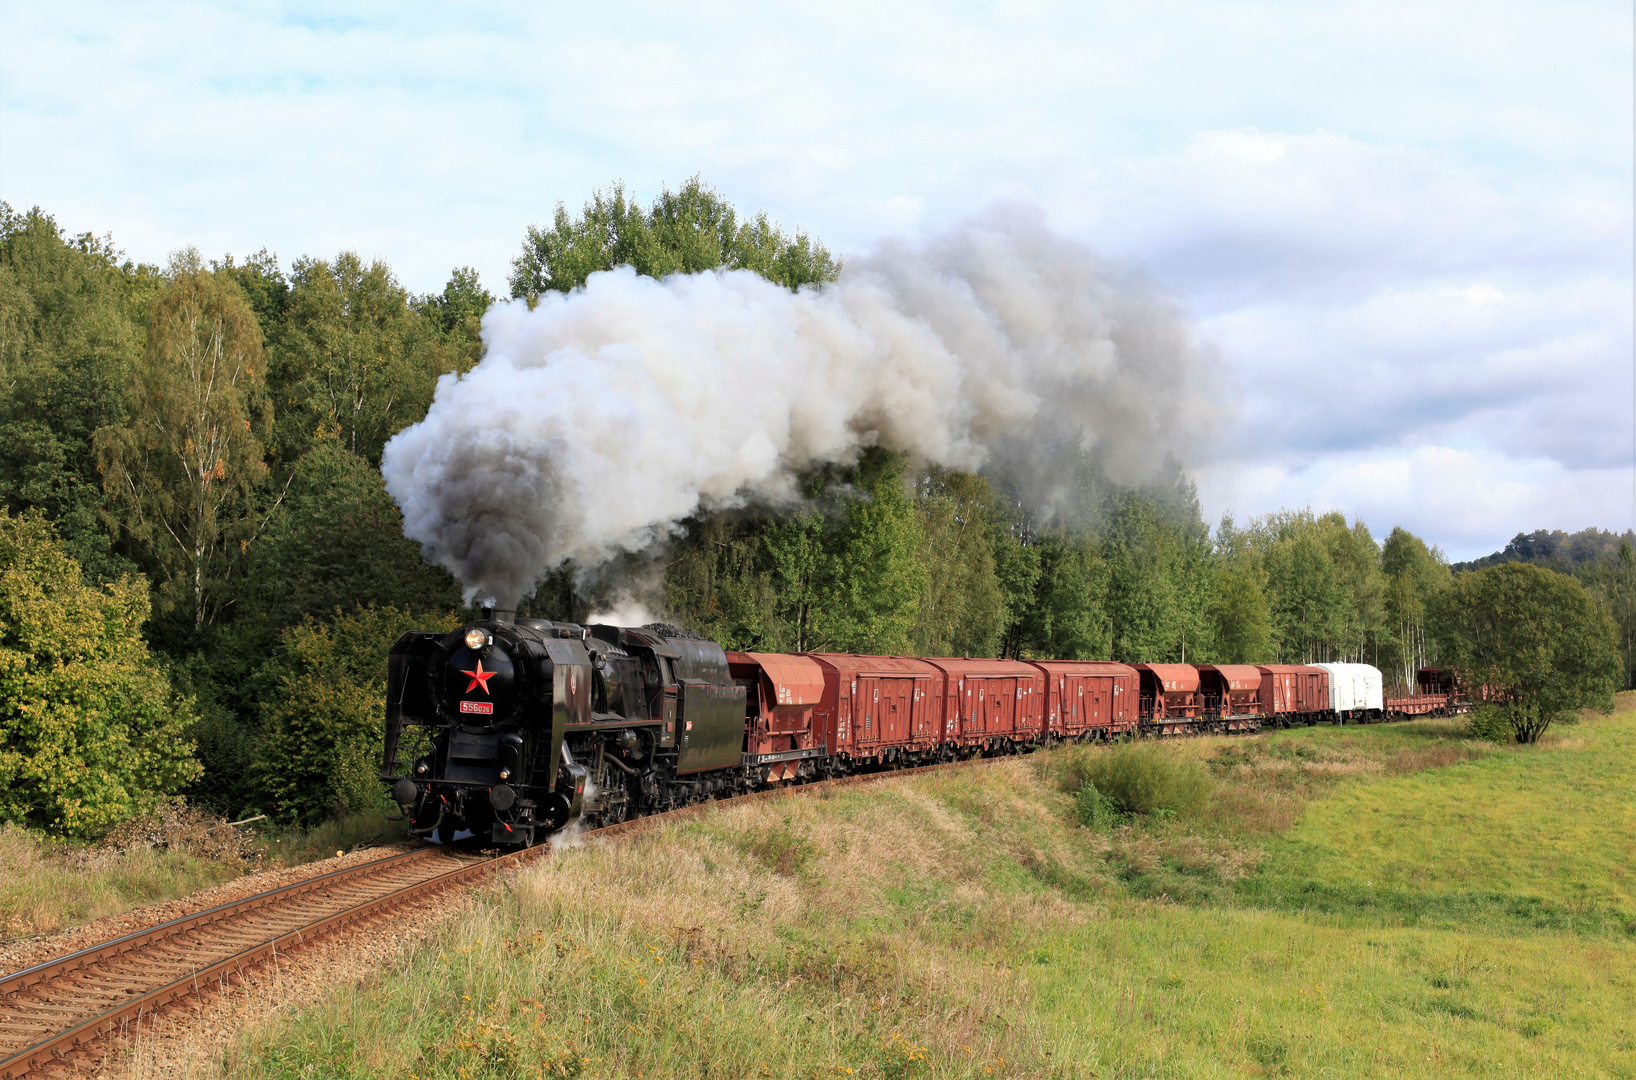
(684, 232)
(1533, 640)
(182, 472)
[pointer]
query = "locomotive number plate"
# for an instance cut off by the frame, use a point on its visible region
(484, 707)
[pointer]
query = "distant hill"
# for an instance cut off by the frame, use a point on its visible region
(1562, 551)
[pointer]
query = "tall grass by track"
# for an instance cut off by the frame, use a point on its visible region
(48, 885)
(966, 925)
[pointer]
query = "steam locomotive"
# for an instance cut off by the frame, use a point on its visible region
(509, 729)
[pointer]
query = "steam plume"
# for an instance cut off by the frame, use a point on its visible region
(599, 419)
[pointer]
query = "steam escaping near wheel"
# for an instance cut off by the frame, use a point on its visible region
(602, 417)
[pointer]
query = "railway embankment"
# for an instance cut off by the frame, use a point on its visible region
(1385, 900)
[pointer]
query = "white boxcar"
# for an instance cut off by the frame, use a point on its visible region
(1354, 689)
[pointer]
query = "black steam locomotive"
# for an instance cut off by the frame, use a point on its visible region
(509, 729)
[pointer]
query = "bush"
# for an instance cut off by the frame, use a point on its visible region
(1490, 724)
(91, 729)
(320, 748)
(1094, 809)
(1150, 779)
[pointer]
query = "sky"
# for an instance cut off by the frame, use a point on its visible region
(1404, 230)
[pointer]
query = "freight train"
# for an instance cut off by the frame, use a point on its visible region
(508, 729)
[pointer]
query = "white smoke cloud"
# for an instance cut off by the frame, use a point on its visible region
(599, 419)
(624, 610)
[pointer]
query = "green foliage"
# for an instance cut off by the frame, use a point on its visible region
(1415, 575)
(874, 578)
(684, 232)
(319, 751)
(458, 312)
(1612, 582)
(337, 539)
(1242, 616)
(182, 472)
(962, 610)
(352, 357)
(1533, 639)
(1068, 615)
(90, 730)
(1560, 551)
(842, 575)
(1151, 779)
(1158, 578)
(70, 331)
(1094, 809)
(1491, 724)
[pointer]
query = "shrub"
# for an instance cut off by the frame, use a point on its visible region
(320, 748)
(91, 729)
(1094, 809)
(1490, 724)
(1147, 778)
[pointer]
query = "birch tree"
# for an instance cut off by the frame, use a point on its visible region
(183, 473)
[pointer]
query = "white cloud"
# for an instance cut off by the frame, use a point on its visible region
(1469, 502)
(1406, 227)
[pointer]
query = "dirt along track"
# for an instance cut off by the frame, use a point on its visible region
(54, 1013)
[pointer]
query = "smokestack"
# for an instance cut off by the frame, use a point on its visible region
(599, 419)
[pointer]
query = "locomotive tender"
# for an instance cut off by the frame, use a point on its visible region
(511, 729)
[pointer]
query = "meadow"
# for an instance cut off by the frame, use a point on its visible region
(1392, 900)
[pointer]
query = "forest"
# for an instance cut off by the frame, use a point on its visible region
(201, 570)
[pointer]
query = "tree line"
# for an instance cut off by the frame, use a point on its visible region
(201, 571)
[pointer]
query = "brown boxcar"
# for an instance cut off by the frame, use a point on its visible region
(1311, 690)
(1291, 692)
(1232, 695)
(1170, 700)
(991, 703)
(782, 694)
(1086, 697)
(879, 707)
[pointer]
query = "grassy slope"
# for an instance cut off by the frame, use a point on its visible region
(963, 925)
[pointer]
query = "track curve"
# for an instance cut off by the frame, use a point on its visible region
(66, 1004)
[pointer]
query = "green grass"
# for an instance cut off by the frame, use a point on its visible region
(965, 925)
(47, 886)
(1545, 835)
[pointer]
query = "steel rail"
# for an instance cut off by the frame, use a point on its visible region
(140, 1006)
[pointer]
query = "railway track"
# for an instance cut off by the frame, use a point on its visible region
(54, 1010)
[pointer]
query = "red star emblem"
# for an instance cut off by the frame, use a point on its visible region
(479, 678)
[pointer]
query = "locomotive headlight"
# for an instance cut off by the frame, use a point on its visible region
(420, 769)
(475, 638)
(505, 774)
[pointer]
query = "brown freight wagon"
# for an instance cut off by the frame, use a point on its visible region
(1294, 693)
(1232, 696)
(991, 704)
(879, 708)
(1088, 698)
(1170, 702)
(782, 695)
